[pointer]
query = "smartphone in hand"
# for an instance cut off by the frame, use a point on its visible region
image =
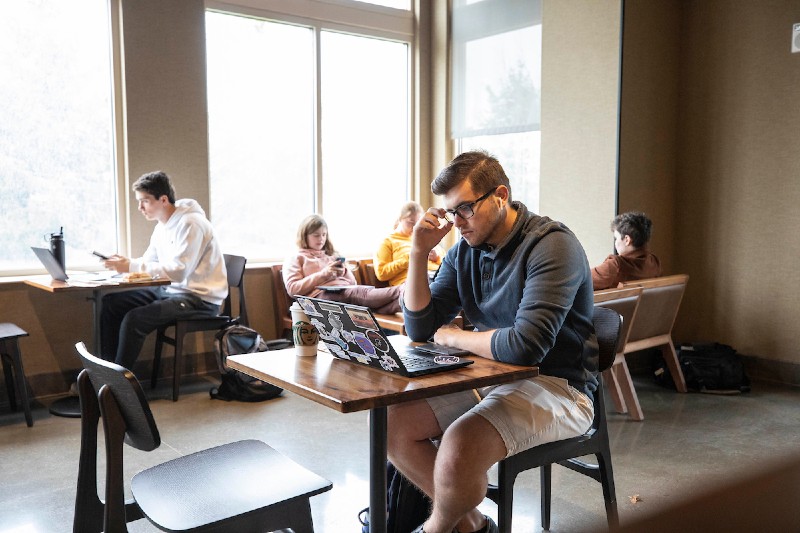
(101, 256)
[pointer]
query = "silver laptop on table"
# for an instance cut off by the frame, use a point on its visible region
(351, 333)
(50, 262)
(55, 270)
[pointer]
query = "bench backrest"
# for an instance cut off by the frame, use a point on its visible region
(626, 303)
(658, 307)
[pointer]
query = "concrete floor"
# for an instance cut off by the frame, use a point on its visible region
(686, 442)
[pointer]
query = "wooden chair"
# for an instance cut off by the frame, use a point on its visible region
(658, 309)
(238, 487)
(281, 303)
(391, 322)
(12, 368)
(618, 378)
(607, 324)
(368, 272)
(234, 264)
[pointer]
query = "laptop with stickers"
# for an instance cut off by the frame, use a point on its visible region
(351, 333)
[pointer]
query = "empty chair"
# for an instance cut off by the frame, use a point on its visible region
(282, 302)
(234, 264)
(658, 309)
(244, 486)
(618, 378)
(607, 324)
(12, 368)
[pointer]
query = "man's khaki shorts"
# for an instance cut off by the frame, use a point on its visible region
(525, 413)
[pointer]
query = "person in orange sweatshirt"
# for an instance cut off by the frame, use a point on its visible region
(391, 259)
(633, 260)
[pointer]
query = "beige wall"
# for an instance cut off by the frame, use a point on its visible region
(709, 147)
(164, 81)
(738, 170)
(580, 90)
(649, 118)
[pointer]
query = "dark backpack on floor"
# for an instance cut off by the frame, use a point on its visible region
(713, 367)
(238, 339)
(709, 367)
(407, 506)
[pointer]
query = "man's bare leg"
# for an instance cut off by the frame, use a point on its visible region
(468, 449)
(411, 426)
(455, 475)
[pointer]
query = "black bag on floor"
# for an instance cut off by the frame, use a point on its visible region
(407, 506)
(713, 367)
(238, 339)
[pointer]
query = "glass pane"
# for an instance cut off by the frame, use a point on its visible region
(519, 154)
(261, 133)
(365, 170)
(56, 130)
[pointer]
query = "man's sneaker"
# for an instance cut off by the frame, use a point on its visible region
(490, 527)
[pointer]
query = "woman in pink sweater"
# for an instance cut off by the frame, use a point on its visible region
(317, 263)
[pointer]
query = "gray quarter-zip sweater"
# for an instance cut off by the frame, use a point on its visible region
(534, 288)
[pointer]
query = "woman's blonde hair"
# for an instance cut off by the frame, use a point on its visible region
(309, 225)
(408, 209)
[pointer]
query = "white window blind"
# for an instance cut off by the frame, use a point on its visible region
(496, 67)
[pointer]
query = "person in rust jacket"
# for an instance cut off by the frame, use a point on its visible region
(633, 260)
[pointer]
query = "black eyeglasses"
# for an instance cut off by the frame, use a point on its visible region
(466, 210)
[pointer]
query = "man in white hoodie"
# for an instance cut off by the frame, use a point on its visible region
(184, 249)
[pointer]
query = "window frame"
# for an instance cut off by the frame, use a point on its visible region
(348, 17)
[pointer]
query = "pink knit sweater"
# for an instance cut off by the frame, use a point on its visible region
(303, 273)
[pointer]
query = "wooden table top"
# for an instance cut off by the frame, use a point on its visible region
(51, 285)
(348, 387)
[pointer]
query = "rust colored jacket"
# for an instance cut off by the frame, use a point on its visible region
(639, 264)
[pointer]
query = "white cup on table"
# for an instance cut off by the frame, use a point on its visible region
(304, 334)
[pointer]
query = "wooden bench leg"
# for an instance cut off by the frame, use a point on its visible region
(611, 382)
(671, 358)
(628, 391)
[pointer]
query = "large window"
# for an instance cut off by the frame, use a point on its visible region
(304, 119)
(56, 130)
(496, 82)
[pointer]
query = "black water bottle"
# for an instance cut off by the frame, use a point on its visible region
(57, 247)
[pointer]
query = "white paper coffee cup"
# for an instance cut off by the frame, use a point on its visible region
(304, 334)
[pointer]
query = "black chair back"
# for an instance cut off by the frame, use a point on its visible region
(141, 431)
(607, 326)
(235, 265)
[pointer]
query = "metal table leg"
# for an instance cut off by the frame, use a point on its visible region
(377, 470)
(70, 406)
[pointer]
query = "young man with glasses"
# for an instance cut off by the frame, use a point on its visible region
(524, 282)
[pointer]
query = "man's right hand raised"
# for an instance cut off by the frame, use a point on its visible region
(429, 230)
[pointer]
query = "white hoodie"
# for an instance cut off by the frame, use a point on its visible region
(185, 250)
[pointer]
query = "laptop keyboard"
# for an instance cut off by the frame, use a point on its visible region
(413, 361)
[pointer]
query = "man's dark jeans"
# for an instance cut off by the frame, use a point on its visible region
(128, 317)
